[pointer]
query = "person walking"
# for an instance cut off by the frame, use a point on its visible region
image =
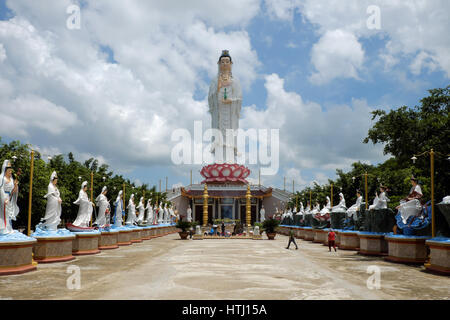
(223, 229)
(331, 240)
(292, 239)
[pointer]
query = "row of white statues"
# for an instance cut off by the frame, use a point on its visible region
(155, 215)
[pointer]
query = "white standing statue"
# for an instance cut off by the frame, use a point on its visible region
(262, 214)
(155, 215)
(85, 208)
(103, 209)
(160, 214)
(166, 214)
(118, 210)
(131, 218)
(141, 208)
(225, 100)
(189, 214)
(149, 217)
(172, 215)
(9, 191)
(341, 206)
(52, 216)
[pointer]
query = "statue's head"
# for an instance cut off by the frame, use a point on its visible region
(225, 61)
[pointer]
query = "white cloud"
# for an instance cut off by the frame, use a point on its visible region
(410, 28)
(2, 53)
(338, 54)
(123, 112)
(311, 137)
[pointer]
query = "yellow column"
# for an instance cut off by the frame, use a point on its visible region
(205, 205)
(123, 205)
(248, 196)
(30, 195)
(365, 187)
(92, 191)
(433, 224)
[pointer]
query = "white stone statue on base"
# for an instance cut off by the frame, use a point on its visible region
(118, 210)
(160, 214)
(9, 191)
(351, 212)
(166, 214)
(85, 208)
(327, 208)
(262, 214)
(189, 214)
(149, 217)
(131, 218)
(52, 215)
(102, 205)
(225, 99)
(341, 206)
(411, 206)
(141, 208)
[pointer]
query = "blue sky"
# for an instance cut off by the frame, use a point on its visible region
(116, 88)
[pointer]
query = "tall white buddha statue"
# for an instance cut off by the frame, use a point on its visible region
(225, 100)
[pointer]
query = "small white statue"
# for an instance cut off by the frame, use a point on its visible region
(118, 210)
(189, 214)
(52, 216)
(262, 214)
(9, 191)
(85, 208)
(102, 205)
(149, 217)
(141, 208)
(131, 218)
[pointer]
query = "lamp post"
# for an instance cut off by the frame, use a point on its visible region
(30, 194)
(365, 175)
(205, 205)
(248, 198)
(432, 154)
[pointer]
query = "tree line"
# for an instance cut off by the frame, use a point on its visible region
(405, 132)
(71, 173)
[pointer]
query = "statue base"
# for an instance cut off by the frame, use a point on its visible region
(406, 249)
(257, 237)
(309, 234)
(372, 244)
(221, 173)
(16, 254)
(86, 243)
(348, 240)
(124, 237)
(145, 233)
(320, 235)
(108, 240)
(439, 256)
(197, 237)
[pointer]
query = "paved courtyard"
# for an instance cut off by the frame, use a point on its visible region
(168, 268)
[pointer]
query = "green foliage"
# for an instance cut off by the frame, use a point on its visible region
(404, 132)
(183, 225)
(68, 183)
(270, 225)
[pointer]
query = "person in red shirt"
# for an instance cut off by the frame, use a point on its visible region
(331, 240)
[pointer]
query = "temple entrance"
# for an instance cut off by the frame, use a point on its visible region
(252, 214)
(198, 214)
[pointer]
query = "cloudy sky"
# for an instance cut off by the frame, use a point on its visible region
(117, 87)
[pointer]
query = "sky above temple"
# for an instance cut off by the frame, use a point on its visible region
(117, 87)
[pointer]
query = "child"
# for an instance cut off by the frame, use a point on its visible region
(292, 239)
(331, 240)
